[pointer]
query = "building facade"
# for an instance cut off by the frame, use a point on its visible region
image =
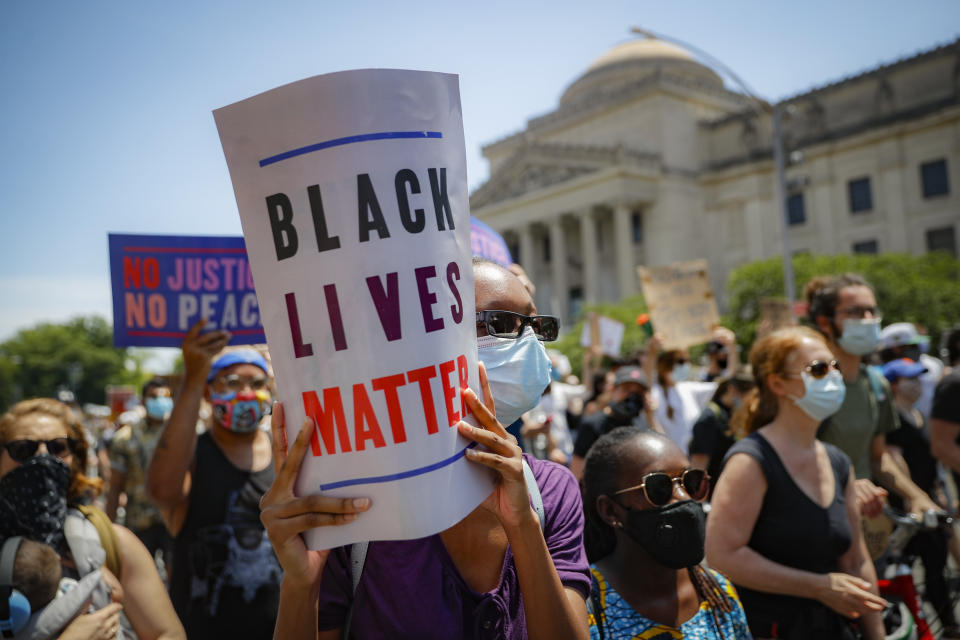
(649, 159)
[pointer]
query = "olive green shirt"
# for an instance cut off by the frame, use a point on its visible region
(861, 418)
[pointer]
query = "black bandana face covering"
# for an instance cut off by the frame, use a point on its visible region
(673, 535)
(33, 500)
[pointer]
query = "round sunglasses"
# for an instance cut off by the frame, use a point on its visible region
(22, 450)
(657, 487)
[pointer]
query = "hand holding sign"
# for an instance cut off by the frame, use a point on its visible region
(286, 516)
(509, 501)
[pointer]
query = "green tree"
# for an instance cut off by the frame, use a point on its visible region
(77, 355)
(625, 311)
(921, 289)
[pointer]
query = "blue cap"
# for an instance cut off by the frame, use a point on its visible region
(902, 368)
(240, 356)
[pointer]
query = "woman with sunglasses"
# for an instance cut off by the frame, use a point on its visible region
(785, 525)
(645, 539)
(43, 456)
(678, 401)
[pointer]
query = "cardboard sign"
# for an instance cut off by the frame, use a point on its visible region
(681, 302)
(775, 313)
(163, 285)
(352, 193)
(604, 332)
(487, 243)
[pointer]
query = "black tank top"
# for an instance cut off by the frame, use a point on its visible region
(794, 531)
(225, 580)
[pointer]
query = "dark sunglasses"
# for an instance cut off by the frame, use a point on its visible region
(22, 450)
(657, 487)
(681, 361)
(507, 324)
(820, 368)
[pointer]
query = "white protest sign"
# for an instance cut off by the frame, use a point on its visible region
(609, 334)
(681, 302)
(352, 192)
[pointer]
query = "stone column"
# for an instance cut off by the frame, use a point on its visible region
(526, 249)
(558, 269)
(623, 246)
(588, 250)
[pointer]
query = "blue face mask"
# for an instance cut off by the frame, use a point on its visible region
(518, 371)
(860, 337)
(822, 396)
(158, 408)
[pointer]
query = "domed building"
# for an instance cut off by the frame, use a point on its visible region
(650, 159)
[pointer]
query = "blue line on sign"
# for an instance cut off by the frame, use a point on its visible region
(401, 475)
(337, 142)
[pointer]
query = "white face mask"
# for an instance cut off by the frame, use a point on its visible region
(518, 372)
(860, 337)
(822, 396)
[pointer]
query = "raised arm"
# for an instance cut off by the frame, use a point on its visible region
(285, 517)
(169, 472)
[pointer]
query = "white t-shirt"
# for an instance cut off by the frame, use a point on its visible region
(929, 382)
(688, 400)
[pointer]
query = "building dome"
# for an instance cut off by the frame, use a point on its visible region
(635, 60)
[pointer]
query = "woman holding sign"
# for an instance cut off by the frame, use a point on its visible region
(496, 573)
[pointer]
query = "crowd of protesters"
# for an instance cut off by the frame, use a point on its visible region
(652, 498)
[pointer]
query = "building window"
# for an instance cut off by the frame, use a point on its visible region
(867, 246)
(796, 213)
(636, 222)
(546, 248)
(942, 239)
(860, 197)
(933, 175)
(514, 249)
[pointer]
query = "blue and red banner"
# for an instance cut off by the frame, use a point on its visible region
(163, 285)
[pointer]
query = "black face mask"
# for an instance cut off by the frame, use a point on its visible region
(673, 535)
(33, 500)
(626, 410)
(722, 362)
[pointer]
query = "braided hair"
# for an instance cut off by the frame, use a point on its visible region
(602, 467)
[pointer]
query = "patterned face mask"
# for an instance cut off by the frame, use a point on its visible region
(33, 500)
(240, 412)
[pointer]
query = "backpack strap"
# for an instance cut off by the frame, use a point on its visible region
(107, 535)
(358, 550)
(875, 376)
(535, 498)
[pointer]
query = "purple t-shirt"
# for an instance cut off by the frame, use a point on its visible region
(412, 589)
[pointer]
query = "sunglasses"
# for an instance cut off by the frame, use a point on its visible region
(238, 383)
(681, 361)
(657, 487)
(860, 312)
(507, 324)
(820, 368)
(22, 450)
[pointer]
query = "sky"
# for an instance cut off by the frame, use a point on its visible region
(105, 108)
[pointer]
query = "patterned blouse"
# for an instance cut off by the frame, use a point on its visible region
(622, 622)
